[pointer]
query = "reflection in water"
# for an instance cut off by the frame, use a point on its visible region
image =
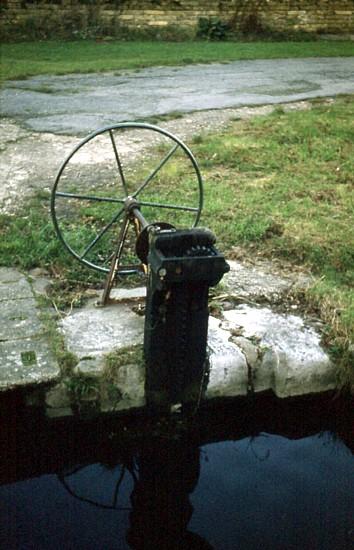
(226, 483)
(164, 477)
(63, 478)
(161, 507)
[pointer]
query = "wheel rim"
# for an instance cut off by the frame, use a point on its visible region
(92, 184)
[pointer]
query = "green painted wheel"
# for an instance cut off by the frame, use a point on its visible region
(105, 168)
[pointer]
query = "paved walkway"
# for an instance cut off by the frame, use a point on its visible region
(78, 104)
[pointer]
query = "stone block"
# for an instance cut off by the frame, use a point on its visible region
(294, 362)
(15, 289)
(18, 319)
(228, 376)
(26, 362)
(90, 366)
(249, 282)
(128, 294)
(128, 390)
(8, 275)
(58, 397)
(94, 331)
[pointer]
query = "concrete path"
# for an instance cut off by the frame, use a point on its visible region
(78, 104)
(25, 356)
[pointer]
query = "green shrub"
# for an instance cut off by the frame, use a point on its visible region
(212, 29)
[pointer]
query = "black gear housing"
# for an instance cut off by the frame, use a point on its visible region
(183, 265)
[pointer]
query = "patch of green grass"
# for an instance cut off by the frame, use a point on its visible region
(82, 388)
(282, 186)
(24, 59)
(28, 240)
(285, 183)
(121, 357)
(335, 305)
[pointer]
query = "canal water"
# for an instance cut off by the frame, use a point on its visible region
(254, 474)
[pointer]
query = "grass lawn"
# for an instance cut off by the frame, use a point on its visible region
(25, 59)
(279, 186)
(283, 186)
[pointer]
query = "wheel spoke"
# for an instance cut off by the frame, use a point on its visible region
(100, 235)
(130, 267)
(170, 206)
(115, 260)
(88, 197)
(119, 164)
(154, 172)
(92, 245)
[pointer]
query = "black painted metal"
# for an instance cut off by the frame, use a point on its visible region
(183, 265)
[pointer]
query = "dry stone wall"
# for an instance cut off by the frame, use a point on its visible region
(326, 16)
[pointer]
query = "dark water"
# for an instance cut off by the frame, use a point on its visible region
(264, 474)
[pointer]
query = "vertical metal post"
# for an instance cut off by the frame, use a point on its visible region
(182, 267)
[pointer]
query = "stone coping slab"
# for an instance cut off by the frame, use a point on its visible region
(17, 320)
(15, 289)
(93, 331)
(259, 284)
(25, 362)
(283, 354)
(25, 356)
(250, 349)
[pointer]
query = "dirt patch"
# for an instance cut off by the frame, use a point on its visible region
(28, 162)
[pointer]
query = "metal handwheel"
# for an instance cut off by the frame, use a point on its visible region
(99, 178)
(100, 192)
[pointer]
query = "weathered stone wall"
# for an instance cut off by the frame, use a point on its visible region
(330, 16)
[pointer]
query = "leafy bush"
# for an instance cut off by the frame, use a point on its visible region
(212, 29)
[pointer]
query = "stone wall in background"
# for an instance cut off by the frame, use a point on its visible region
(109, 17)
